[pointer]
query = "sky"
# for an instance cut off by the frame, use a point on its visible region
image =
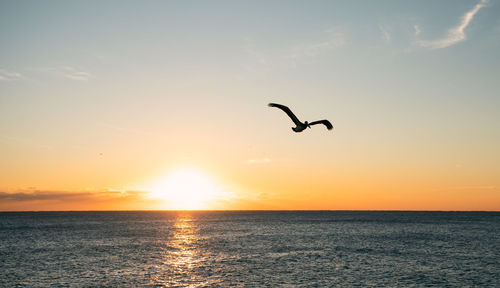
(144, 105)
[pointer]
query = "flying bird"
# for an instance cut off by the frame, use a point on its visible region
(300, 126)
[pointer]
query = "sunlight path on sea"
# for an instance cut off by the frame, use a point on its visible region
(182, 255)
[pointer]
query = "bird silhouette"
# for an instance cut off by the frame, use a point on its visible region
(300, 126)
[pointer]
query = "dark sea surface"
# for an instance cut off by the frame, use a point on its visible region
(252, 249)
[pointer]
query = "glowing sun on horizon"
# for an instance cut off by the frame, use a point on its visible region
(185, 189)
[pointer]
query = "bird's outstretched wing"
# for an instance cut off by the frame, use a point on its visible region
(324, 122)
(287, 111)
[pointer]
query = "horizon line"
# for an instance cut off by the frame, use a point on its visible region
(250, 210)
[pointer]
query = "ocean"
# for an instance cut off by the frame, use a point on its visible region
(250, 249)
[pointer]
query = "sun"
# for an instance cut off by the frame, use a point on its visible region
(185, 189)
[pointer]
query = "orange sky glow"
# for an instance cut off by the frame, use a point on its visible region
(163, 106)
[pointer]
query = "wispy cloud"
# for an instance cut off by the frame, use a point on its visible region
(254, 54)
(52, 200)
(42, 195)
(455, 34)
(317, 44)
(48, 195)
(9, 75)
(417, 30)
(75, 74)
(386, 36)
(68, 72)
(331, 39)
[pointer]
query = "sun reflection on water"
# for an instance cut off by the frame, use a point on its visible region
(184, 249)
(183, 256)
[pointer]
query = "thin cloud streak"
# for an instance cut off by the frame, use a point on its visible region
(253, 53)
(68, 72)
(417, 30)
(385, 34)
(48, 195)
(74, 74)
(42, 195)
(334, 38)
(455, 34)
(296, 52)
(9, 75)
(53, 200)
